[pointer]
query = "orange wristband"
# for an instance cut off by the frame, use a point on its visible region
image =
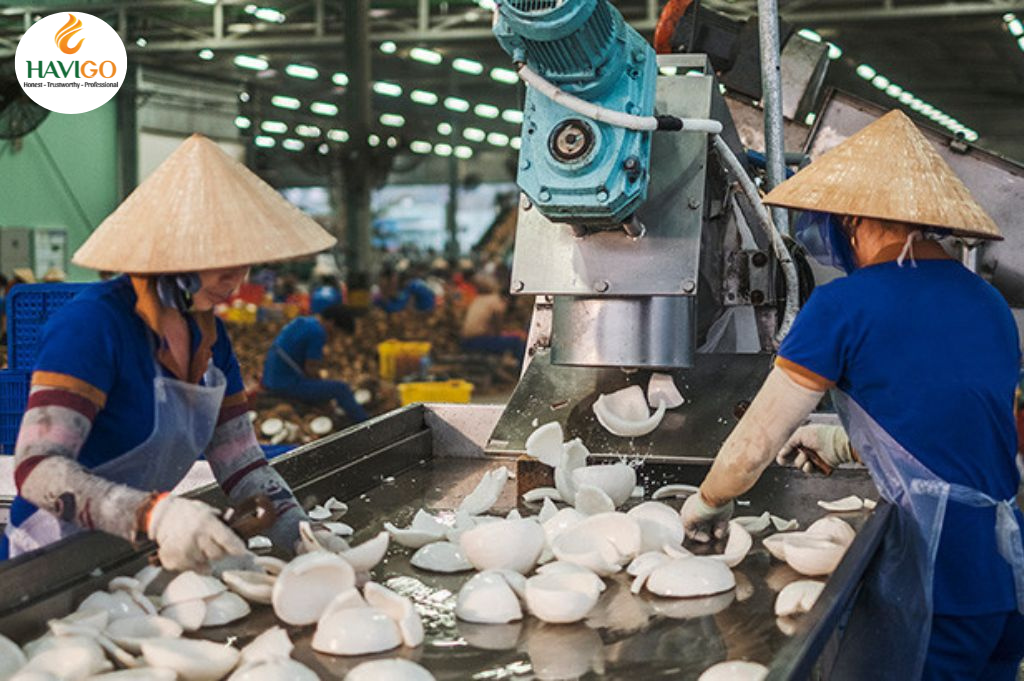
(144, 515)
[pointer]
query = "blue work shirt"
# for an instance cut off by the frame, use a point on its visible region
(303, 339)
(931, 353)
(423, 297)
(97, 343)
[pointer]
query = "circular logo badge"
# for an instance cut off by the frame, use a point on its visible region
(71, 62)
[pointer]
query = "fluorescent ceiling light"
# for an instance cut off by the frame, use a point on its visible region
(387, 89)
(264, 141)
(423, 97)
(498, 139)
(420, 147)
(473, 68)
(302, 71)
(443, 149)
(307, 130)
(486, 111)
(463, 152)
(374, 140)
(285, 102)
(880, 82)
(340, 78)
(834, 51)
(392, 120)
(810, 118)
(444, 128)
(512, 116)
(293, 145)
(336, 135)
(504, 75)
(206, 54)
(516, 143)
(474, 134)
(808, 34)
(242, 123)
(866, 72)
(456, 104)
(323, 108)
(277, 127)
(426, 56)
(388, 47)
(245, 61)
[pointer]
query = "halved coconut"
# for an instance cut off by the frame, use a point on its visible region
(272, 644)
(574, 455)
(547, 511)
(755, 524)
(193, 660)
(562, 598)
(662, 388)
(117, 605)
(146, 575)
(798, 597)
(189, 586)
(660, 524)
(737, 546)
(486, 492)
(541, 493)
(307, 584)
(349, 598)
(690, 577)
(844, 505)
(356, 631)
(259, 542)
(560, 567)
(624, 413)
(319, 512)
(189, 614)
(831, 527)
(389, 670)
(735, 670)
(271, 427)
(124, 584)
(545, 443)
(255, 587)
(593, 500)
(674, 491)
(693, 608)
(443, 556)
(616, 480)
(130, 632)
(506, 544)
(646, 562)
(65, 657)
(813, 556)
(321, 425)
(11, 657)
(140, 674)
(487, 598)
(275, 670)
(784, 524)
(399, 608)
(776, 545)
(225, 608)
(270, 564)
(602, 543)
(365, 556)
(423, 530)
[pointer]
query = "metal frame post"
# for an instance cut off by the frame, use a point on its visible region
(771, 99)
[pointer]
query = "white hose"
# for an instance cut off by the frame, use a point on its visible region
(599, 113)
(778, 245)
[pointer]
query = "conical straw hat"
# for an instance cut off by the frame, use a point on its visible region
(200, 210)
(888, 171)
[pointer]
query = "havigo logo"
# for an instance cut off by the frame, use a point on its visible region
(71, 63)
(64, 35)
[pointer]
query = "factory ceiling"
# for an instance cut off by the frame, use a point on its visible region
(435, 64)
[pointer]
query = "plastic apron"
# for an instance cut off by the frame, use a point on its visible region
(184, 418)
(887, 636)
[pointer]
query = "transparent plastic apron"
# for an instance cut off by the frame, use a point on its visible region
(887, 637)
(184, 418)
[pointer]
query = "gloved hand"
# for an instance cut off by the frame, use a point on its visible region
(703, 522)
(829, 444)
(190, 534)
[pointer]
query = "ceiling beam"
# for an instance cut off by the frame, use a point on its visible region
(894, 12)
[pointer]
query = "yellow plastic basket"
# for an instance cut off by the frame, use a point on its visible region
(441, 391)
(400, 358)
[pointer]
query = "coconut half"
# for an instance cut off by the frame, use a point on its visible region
(443, 556)
(486, 492)
(691, 577)
(735, 670)
(625, 413)
(398, 608)
(674, 491)
(616, 480)
(193, 660)
(487, 598)
(506, 544)
(662, 388)
(798, 597)
(562, 598)
(844, 505)
(545, 443)
(389, 670)
(307, 584)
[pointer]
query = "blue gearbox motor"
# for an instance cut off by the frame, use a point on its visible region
(573, 168)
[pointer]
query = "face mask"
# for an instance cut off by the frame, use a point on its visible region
(176, 290)
(823, 236)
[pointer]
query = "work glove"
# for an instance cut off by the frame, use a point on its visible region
(703, 522)
(190, 534)
(816, 447)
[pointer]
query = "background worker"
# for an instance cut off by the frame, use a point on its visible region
(136, 378)
(399, 286)
(922, 356)
(483, 325)
(293, 364)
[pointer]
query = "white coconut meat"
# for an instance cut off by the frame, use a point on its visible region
(11, 657)
(660, 524)
(616, 480)
(189, 586)
(662, 389)
(625, 413)
(116, 605)
(545, 444)
(272, 644)
(593, 500)
(755, 524)
(189, 614)
(65, 657)
(735, 670)
(784, 524)
(691, 577)
(831, 527)
(574, 455)
(444, 557)
(224, 609)
(602, 543)
(798, 597)
(398, 608)
(140, 674)
(356, 631)
(844, 505)
(674, 491)
(275, 670)
(423, 530)
(486, 493)
(193, 660)
(813, 556)
(365, 556)
(737, 546)
(547, 511)
(130, 632)
(389, 670)
(307, 584)
(562, 598)
(540, 494)
(506, 544)
(487, 598)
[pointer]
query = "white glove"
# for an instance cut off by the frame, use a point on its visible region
(702, 522)
(829, 444)
(190, 534)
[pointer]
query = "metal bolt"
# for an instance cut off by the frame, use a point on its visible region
(759, 259)
(602, 286)
(545, 195)
(602, 195)
(518, 286)
(525, 203)
(525, 165)
(689, 286)
(693, 203)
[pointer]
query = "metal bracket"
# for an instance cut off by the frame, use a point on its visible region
(749, 278)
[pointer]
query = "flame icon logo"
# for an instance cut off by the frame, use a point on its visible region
(66, 33)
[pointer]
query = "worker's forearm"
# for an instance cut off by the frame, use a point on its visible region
(779, 407)
(242, 471)
(47, 474)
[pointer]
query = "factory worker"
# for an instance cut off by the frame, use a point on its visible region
(136, 378)
(292, 367)
(483, 326)
(922, 358)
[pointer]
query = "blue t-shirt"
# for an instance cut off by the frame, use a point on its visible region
(423, 297)
(931, 353)
(302, 339)
(99, 339)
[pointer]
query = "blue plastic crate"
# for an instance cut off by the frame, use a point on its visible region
(28, 308)
(13, 399)
(273, 451)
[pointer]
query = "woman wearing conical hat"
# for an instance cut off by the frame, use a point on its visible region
(922, 358)
(136, 378)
